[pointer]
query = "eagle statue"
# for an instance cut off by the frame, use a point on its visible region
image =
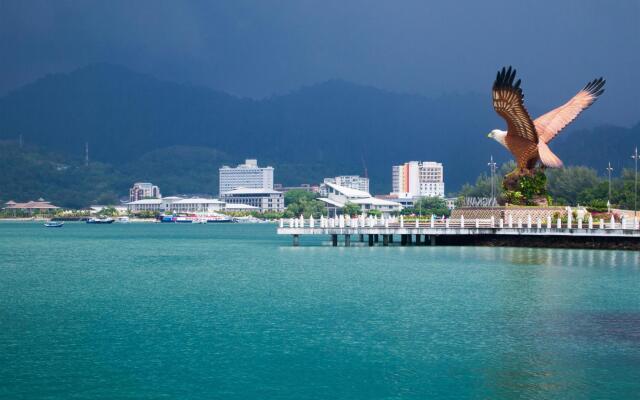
(528, 139)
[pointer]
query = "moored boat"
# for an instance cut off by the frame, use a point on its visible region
(53, 224)
(100, 221)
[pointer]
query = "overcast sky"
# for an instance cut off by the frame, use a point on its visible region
(261, 48)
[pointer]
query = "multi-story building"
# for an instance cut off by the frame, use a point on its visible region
(248, 175)
(144, 190)
(418, 179)
(349, 181)
(264, 199)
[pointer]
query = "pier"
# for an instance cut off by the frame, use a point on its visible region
(372, 231)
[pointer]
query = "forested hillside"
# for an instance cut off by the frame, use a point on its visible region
(177, 135)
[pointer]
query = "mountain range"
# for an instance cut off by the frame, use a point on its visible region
(177, 135)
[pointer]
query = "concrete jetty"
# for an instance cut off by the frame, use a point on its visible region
(528, 232)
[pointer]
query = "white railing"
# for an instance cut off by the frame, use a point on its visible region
(460, 223)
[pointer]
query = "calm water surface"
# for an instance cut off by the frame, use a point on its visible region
(233, 312)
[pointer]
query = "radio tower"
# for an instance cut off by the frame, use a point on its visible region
(86, 154)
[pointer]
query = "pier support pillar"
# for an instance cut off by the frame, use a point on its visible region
(347, 240)
(361, 237)
(403, 240)
(376, 238)
(334, 240)
(296, 240)
(370, 240)
(391, 238)
(418, 239)
(385, 240)
(409, 239)
(432, 240)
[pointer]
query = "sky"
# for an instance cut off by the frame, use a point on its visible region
(264, 48)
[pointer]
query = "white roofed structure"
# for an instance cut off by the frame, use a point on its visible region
(338, 196)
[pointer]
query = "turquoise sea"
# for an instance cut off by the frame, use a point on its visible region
(159, 311)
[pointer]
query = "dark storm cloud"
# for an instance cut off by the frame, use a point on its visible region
(258, 48)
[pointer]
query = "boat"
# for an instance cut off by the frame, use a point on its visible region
(215, 218)
(167, 218)
(218, 220)
(53, 224)
(100, 221)
(123, 220)
(249, 220)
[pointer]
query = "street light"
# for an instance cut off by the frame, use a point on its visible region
(492, 166)
(635, 185)
(609, 169)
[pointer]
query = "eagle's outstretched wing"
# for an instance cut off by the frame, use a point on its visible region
(508, 103)
(522, 138)
(549, 124)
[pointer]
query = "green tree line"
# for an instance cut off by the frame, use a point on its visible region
(568, 186)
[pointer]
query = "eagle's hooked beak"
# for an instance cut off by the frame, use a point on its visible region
(489, 135)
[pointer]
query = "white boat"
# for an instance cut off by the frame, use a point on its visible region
(249, 219)
(123, 220)
(100, 221)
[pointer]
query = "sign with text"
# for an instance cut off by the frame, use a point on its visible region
(479, 202)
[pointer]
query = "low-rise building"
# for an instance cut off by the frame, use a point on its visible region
(238, 207)
(338, 196)
(405, 199)
(265, 199)
(153, 205)
(176, 204)
(305, 186)
(197, 205)
(38, 206)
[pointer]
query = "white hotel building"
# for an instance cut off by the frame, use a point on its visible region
(418, 179)
(248, 175)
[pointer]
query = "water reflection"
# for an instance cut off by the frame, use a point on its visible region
(552, 257)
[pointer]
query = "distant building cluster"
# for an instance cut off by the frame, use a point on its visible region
(250, 187)
(246, 187)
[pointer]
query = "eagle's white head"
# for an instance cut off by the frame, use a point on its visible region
(499, 136)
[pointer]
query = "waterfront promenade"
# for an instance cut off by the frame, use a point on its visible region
(532, 232)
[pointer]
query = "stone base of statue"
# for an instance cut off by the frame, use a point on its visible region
(525, 187)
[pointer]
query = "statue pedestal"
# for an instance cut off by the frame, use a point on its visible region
(525, 188)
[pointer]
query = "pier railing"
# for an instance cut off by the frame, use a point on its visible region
(529, 223)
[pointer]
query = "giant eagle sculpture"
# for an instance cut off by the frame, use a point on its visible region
(528, 139)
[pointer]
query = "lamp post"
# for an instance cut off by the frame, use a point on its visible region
(492, 167)
(609, 169)
(635, 184)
